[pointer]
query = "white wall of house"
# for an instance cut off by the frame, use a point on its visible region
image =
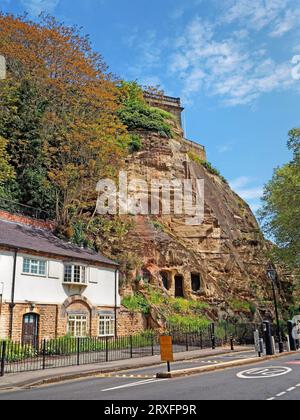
(50, 289)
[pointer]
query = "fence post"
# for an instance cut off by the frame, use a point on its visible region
(106, 349)
(3, 356)
(78, 351)
(44, 354)
(131, 347)
(152, 343)
(232, 343)
(187, 341)
(201, 340)
(213, 337)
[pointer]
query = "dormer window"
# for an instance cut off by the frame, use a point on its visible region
(75, 274)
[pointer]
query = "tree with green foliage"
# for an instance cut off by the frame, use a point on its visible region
(136, 114)
(58, 112)
(281, 211)
(6, 170)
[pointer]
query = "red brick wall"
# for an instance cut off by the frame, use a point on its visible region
(4, 215)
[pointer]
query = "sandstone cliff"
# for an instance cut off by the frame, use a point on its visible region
(222, 261)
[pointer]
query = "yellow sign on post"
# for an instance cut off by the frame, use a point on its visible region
(166, 349)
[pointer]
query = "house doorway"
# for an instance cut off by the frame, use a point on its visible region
(179, 293)
(30, 331)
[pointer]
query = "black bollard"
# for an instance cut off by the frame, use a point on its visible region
(268, 338)
(293, 344)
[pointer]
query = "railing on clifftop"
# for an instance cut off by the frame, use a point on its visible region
(14, 207)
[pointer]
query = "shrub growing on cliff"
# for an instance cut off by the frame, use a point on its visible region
(136, 114)
(136, 303)
(207, 165)
(135, 143)
(240, 305)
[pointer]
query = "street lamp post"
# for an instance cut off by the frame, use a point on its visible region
(272, 275)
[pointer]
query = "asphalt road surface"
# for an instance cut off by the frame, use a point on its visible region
(277, 379)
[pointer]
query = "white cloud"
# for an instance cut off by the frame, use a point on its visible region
(286, 24)
(242, 186)
(255, 207)
(225, 148)
(251, 193)
(36, 7)
(230, 57)
(227, 67)
(240, 182)
(256, 14)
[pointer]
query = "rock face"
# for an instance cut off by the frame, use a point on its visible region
(221, 260)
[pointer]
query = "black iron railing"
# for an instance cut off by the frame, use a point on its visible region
(68, 351)
(22, 209)
(16, 357)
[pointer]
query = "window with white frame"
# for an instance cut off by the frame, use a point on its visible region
(34, 266)
(75, 274)
(106, 325)
(77, 325)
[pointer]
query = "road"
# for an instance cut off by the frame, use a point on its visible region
(141, 385)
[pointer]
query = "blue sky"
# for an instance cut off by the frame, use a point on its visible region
(229, 60)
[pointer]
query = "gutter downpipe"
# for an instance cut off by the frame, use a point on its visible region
(12, 303)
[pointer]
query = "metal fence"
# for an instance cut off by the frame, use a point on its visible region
(25, 210)
(16, 357)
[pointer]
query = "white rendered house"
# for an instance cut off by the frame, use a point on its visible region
(49, 288)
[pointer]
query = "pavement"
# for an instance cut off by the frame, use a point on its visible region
(41, 377)
(272, 379)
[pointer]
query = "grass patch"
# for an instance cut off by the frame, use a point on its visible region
(240, 305)
(136, 303)
(188, 322)
(183, 305)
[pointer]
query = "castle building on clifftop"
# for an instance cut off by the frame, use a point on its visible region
(174, 106)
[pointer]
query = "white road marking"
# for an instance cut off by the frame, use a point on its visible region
(293, 388)
(149, 381)
(281, 394)
(264, 373)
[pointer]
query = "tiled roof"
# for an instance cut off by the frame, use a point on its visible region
(39, 240)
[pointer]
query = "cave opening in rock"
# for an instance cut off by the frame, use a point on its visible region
(196, 282)
(179, 291)
(165, 279)
(146, 276)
